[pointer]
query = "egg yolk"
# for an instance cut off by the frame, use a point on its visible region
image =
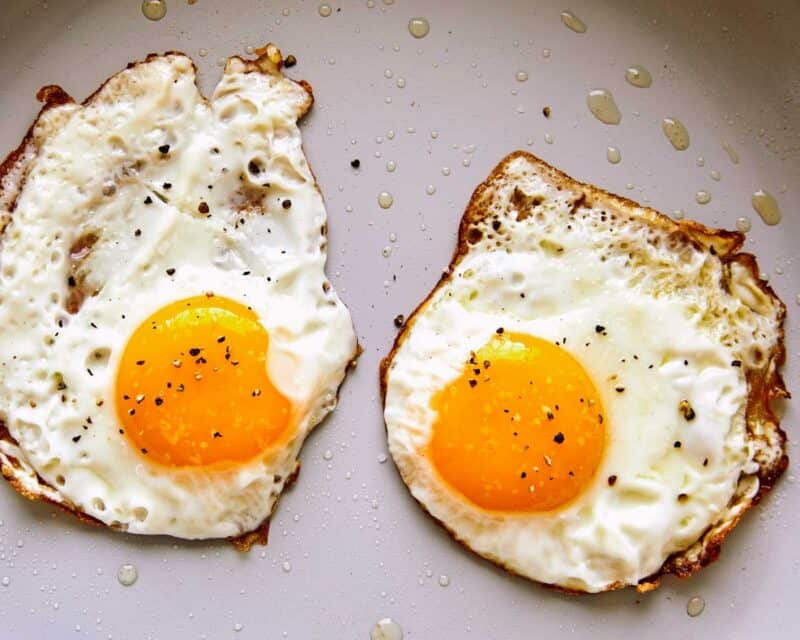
(192, 387)
(521, 429)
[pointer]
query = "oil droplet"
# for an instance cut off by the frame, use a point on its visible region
(743, 224)
(370, 4)
(418, 27)
(238, 627)
(5, 581)
(638, 76)
(401, 83)
(445, 171)
(430, 189)
(386, 251)
(571, 21)
(325, 10)
(391, 166)
(386, 629)
(286, 566)
(601, 104)
(695, 606)
(385, 199)
(434, 134)
(702, 197)
(548, 138)
(328, 455)
(676, 133)
(382, 457)
(767, 207)
(127, 575)
(613, 155)
(388, 73)
(732, 154)
(716, 175)
(678, 214)
(466, 162)
(285, 12)
(546, 53)
(444, 581)
(154, 9)
(701, 161)
(522, 76)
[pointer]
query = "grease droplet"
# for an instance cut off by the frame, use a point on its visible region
(522, 76)
(386, 629)
(695, 606)
(613, 155)
(419, 27)
(127, 575)
(743, 224)
(676, 133)
(702, 197)
(767, 207)
(732, 154)
(638, 76)
(444, 581)
(571, 21)
(325, 10)
(154, 9)
(385, 199)
(603, 107)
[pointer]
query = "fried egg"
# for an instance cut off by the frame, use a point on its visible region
(168, 337)
(584, 397)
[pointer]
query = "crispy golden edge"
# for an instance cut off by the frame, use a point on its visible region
(269, 61)
(764, 385)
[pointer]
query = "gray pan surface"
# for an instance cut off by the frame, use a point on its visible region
(348, 544)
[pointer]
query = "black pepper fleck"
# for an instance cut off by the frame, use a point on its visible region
(286, 204)
(290, 61)
(164, 148)
(558, 438)
(612, 480)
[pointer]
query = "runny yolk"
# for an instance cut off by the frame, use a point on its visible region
(192, 387)
(521, 429)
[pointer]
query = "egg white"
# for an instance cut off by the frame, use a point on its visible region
(99, 170)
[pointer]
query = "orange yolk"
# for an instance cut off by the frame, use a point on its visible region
(192, 387)
(521, 429)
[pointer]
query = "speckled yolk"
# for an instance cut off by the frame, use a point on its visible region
(192, 387)
(522, 429)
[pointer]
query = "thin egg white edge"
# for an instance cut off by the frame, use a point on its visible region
(93, 492)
